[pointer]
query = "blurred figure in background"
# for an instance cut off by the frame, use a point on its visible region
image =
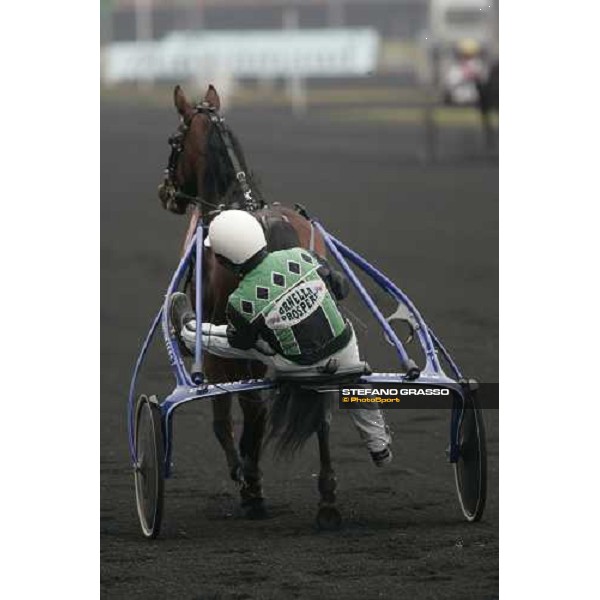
(464, 73)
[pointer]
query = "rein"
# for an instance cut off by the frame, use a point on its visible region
(169, 192)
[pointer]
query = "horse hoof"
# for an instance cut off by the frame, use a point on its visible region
(236, 474)
(255, 509)
(329, 518)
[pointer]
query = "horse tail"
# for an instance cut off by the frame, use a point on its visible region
(294, 415)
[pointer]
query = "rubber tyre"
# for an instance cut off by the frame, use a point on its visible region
(470, 471)
(149, 471)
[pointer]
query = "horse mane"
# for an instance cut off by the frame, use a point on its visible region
(220, 184)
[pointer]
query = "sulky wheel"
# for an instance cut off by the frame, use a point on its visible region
(149, 469)
(470, 471)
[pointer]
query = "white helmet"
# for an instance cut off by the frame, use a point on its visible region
(236, 235)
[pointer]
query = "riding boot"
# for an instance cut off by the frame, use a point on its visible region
(372, 429)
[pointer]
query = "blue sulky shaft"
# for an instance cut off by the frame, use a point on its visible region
(390, 287)
(411, 369)
(136, 370)
(197, 377)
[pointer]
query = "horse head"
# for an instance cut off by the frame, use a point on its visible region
(206, 164)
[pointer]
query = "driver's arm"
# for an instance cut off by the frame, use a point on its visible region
(336, 281)
(240, 333)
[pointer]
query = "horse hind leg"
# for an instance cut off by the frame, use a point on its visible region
(328, 515)
(223, 429)
(251, 442)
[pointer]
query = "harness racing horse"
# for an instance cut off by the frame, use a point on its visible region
(207, 170)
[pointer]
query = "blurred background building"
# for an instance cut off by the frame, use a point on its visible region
(415, 40)
(391, 18)
(413, 61)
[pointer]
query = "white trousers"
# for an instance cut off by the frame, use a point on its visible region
(369, 422)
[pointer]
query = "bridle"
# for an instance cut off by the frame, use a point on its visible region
(169, 192)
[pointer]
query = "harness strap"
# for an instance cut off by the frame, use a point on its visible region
(250, 203)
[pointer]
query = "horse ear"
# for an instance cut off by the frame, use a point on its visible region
(212, 97)
(181, 103)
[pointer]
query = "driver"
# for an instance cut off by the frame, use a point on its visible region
(468, 52)
(283, 313)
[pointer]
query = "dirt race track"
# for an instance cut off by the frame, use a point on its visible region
(434, 230)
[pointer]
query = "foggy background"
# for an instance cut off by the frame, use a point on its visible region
(424, 58)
